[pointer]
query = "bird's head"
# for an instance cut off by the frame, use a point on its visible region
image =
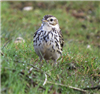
(50, 20)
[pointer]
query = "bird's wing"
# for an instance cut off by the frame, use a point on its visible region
(61, 39)
(37, 31)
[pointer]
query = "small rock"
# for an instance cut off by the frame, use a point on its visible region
(28, 8)
(19, 40)
(88, 46)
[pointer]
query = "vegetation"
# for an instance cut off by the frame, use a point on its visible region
(79, 66)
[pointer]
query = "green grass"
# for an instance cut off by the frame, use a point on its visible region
(78, 34)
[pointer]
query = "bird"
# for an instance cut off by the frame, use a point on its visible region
(48, 39)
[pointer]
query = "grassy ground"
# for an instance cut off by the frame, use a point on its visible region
(80, 63)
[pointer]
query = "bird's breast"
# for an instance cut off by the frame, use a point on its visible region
(46, 39)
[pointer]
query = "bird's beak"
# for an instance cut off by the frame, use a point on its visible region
(45, 21)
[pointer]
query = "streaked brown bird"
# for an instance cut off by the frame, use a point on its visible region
(48, 39)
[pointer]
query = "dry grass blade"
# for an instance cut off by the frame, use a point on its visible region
(2, 54)
(6, 43)
(92, 88)
(45, 80)
(74, 88)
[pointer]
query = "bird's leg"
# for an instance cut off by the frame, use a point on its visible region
(41, 56)
(41, 59)
(54, 63)
(41, 62)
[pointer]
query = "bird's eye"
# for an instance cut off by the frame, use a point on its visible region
(51, 20)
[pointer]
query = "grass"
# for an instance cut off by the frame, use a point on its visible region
(80, 63)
